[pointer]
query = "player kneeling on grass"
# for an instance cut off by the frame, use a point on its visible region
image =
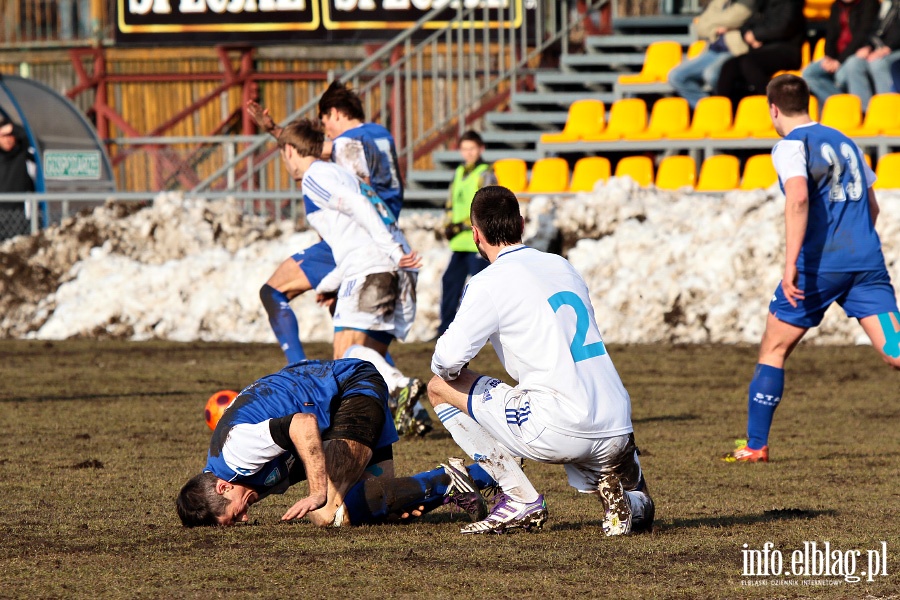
(326, 422)
(569, 406)
(832, 253)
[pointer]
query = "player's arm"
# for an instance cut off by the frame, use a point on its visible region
(475, 321)
(307, 442)
(358, 207)
(796, 217)
(874, 209)
(263, 119)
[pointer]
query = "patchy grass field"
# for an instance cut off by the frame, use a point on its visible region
(99, 436)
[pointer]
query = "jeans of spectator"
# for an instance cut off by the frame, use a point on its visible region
(823, 84)
(694, 78)
(865, 78)
(462, 264)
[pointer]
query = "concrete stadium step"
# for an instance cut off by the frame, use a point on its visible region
(424, 198)
(600, 62)
(430, 178)
(653, 25)
(449, 159)
(502, 139)
(577, 80)
(639, 43)
(539, 100)
(519, 120)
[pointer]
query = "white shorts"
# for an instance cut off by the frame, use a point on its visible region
(505, 412)
(378, 302)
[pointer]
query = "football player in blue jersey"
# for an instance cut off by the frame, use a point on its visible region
(326, 422)
(832, 253)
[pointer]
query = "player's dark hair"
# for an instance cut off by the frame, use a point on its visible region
(495, 211)
(304, 135)
(343, 99)
(790, 94)
(471, 136)
(198, 503)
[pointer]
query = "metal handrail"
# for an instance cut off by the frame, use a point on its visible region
(406, 73)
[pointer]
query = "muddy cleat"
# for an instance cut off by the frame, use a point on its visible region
(463, 493)
(744, 453)
(617, 510)
(510, 514)
(421, 423)
(406, 402)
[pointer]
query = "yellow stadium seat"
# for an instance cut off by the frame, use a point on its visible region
(882, 117)
(719, 173)
(813, 108)
(548, 176)
(696, 49)
(512, 173)
(676, 172)
(842, 111)
(868, 160)
(888, 172)
(669, 118)
(588, 171)
(818, 51)
(626, 116)
(759, 172)
(712, 115)
(639, 168)
(585, 118)
(659, 59)
(751, 120)
(817, 10)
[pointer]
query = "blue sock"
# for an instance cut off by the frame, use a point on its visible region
(765, 394)
(372, 500)
(283, 322)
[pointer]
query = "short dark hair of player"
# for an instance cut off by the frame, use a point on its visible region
(471, 136)
(790, 94)
(495, 211)
(343, 99)
(198, 503)
(304, 135)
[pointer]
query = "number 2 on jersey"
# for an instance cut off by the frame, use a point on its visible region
(580, 351)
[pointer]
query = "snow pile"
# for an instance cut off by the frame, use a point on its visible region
(674, 267)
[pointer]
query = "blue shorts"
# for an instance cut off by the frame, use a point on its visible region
(316, 262)
(861, 294)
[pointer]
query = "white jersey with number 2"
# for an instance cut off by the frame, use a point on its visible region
(535, 309)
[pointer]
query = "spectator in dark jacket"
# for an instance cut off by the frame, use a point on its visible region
(870, 72)
(847, 36)
(14, 177)
(775, 34)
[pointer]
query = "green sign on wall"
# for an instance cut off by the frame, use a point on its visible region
(72, 164)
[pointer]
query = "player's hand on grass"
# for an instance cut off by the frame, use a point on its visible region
(789, 286)
(410, 261)
(306, 505)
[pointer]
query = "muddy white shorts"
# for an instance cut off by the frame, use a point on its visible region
(384, 302)
(505, 412)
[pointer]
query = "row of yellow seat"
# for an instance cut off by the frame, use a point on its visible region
(670, 119)
(663, 56)
(719, 173)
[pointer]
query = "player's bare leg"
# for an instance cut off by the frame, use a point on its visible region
(286, 283)
(875, 329)
(346, 338)
(778, 341)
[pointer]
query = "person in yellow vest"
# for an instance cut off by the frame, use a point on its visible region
(470, 177)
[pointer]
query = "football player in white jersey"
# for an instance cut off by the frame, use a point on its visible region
(569, 406)
(375, 274)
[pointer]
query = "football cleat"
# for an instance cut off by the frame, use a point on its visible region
(406, 398)
(744, 453)
(511, 514)
(616, 510)
(463, 493)
(421, 423)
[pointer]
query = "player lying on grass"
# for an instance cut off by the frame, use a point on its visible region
(832, 253)
(326, 422)
(569, 406)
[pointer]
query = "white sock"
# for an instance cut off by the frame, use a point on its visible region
(479, 445)
(392, 375)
